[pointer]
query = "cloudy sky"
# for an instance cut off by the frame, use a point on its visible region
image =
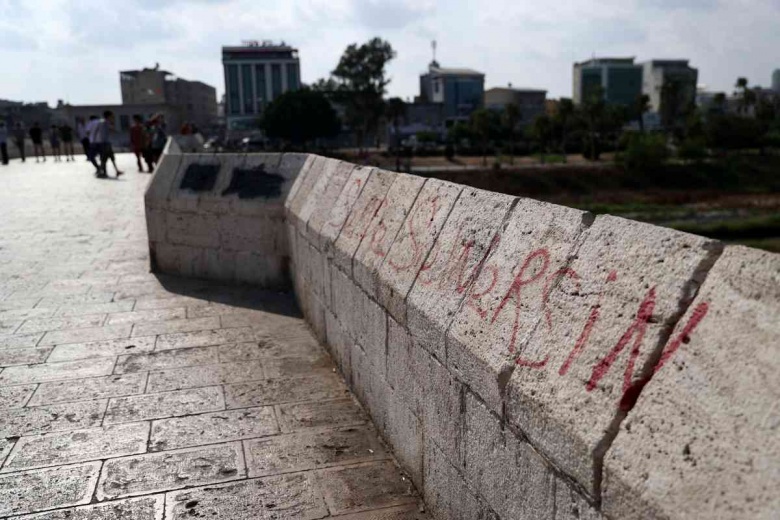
(72, 49)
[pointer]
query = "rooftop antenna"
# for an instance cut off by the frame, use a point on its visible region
(433, 46)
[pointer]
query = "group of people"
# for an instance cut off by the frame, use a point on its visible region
(147, 140)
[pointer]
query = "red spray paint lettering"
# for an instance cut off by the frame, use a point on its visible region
(432, 203)
(636, 331)
(514, 294)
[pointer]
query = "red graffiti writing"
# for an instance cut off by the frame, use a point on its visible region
(514, 294)
(636, 331)
(418, 222)
(358, 221)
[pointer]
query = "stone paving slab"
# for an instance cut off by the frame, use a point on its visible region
(89, 389)
(154, 472)
(206, 375)
(214, 427)
(57, 449)
(166, 404)
(37, 490)
(51, 418)
(143, 508)
(286, 496)
(119, 388)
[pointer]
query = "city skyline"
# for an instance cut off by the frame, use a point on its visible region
(63, 50)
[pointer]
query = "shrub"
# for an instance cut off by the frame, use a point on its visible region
(692, 149)
(645, 153)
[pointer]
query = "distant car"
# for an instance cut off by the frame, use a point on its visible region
(213, 144)
(254, 143)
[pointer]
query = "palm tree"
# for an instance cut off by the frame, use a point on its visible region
(395, 110)
(564, 115)
(512, 116)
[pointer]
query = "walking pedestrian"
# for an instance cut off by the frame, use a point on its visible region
(93, 151)
(54, 141)
(3, 143)
(138, 141)
(36, 136)
(83, 135)
(101, 137)
(19, 139)
(159, 138)
(66, 134)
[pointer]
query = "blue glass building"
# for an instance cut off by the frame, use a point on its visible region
(461, 91)
(256, 74)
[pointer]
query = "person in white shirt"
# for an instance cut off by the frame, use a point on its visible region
(100, 136)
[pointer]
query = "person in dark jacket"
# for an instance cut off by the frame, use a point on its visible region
(3, 143)
(66, 135)
(36, 136)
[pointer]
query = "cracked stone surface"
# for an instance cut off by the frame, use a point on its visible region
(125, 395)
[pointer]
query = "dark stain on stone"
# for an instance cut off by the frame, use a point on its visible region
(191, 504)
(200, 177)
(253, 183)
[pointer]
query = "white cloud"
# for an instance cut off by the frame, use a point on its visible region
(72, 49)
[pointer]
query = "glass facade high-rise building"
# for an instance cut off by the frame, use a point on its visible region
(618, 80)
(256, 73)
(461, 91)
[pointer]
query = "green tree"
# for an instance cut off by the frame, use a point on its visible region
(541, 131)
(300, 117)
(395, 110)
(593, 110)
(512, 116)
(360, 74)
(483, 125)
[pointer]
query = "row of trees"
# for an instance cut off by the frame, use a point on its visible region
(595, 126)
(358, 84)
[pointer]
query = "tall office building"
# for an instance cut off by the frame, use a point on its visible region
(255, 74)
(620, 80)
(658, 73)
(776, 80)
(195, 101)
(461, 91)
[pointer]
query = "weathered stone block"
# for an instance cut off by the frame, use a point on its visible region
(507, 472)
(340, 345)
(507, 301)
(702, 438)
(413, 243)
(383, 229)
(371, 199)
(446, 493)
(625, 291)
(455, 261)
(342, 208)
(403, 430)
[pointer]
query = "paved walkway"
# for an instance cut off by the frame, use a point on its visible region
(128, 395)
